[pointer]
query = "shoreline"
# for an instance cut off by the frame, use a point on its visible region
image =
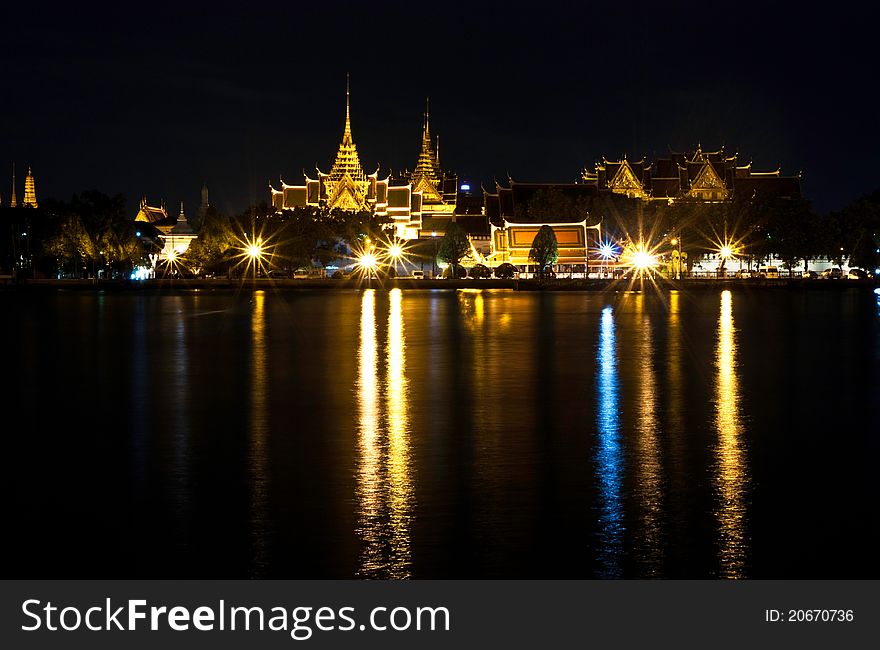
(409, 284)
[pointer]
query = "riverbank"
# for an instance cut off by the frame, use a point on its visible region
(558, 284)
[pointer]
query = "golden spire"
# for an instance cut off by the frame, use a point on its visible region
(30, 192)
(346, 134)
(425, 177)
(347, 185)
(13, 202)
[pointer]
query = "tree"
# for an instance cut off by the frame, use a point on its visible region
(864, 255)
(545, 250)
(454, 247)
(216, 238)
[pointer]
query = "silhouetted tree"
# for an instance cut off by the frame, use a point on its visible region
(545, 250)
(454, 247)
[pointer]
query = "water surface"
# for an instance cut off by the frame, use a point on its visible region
(429, 434)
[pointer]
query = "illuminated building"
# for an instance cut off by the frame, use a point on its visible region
(347, 187)
(512, 228)
(30, 192)
(417, 203)
(705, 176)
(176, 235)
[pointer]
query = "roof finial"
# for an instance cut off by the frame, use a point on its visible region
(346, 135)
(13, 202)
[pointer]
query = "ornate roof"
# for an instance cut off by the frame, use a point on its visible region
(346, 183)
(426, 176)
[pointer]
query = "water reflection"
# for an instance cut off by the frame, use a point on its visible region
(609, 455)
(649, 469)
(731, 472)
(257, 454)
(400, 491)
(385, 492)
(179, 401)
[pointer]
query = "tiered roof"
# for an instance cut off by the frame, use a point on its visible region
(347, 183)
(426, 176)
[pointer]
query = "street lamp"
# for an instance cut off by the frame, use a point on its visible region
(606, 251)
(395, 254)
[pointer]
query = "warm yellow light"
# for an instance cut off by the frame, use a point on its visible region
(255, 250)
(642, 259)
(395, 251)
(673, 241)
(368, 261)
(726, 252)
(172, 255)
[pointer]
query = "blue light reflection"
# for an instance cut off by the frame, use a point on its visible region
(609, 454)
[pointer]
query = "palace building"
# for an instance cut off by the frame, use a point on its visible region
(347, 187)
(418, 203)
(707, 176)
(176, 235)
(515, 212)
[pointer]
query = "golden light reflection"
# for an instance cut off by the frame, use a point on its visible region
(731, 472)
(472, 307)
(400, 490)
(257, 453)
(649, 468)
(369, 480)
(675, 412)
(385, 490)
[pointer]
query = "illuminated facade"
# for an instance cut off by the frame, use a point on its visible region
(176, 235)
(347, 187)
(30, 191)
(512, 242)
(417, 203)
(512, 229)
(706, 176)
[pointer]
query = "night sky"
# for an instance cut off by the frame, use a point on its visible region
(142, 99)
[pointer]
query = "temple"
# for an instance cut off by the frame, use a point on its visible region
(175, 235)
(347, 187)
(516, 213)
(30, 191)
(705, 176)
(418, 203)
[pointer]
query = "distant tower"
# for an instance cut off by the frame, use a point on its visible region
(30, 193)
(13, 202)
(181, 218)
(205, 204)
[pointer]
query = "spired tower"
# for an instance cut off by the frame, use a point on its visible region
(426, 176)
(30, 192)
(205, 204)
(13, 202)
(347, 185)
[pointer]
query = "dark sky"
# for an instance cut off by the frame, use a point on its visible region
(149, 99)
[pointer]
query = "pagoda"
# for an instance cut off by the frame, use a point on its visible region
(30, 192)
(426, 176)
(347, 187)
